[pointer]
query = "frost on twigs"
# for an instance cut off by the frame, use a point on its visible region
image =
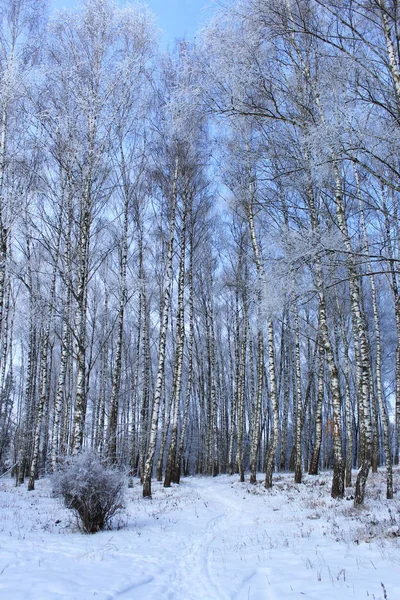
(92, 491)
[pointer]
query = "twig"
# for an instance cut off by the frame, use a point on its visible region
(8, 470)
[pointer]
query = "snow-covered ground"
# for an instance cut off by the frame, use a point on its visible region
(205, 539)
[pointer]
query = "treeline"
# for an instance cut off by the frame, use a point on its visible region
(199, 249)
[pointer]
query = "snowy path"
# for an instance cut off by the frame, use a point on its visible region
(211, 539)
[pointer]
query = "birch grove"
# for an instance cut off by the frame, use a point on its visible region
(199, 248)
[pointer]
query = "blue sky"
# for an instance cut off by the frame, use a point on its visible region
(179, 18)
(176, 18)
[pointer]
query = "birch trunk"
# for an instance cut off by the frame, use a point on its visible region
(241, 393)
(286, 394)
(148, 467)
(396, 298)
(65, 350)
(189, 383)
(166, 406)
(233, 431)
(273, 440)
(364, 363)
(172, 467)
(348, 409)
(3, 229)
(337, 490)
(30, 378)
(314, 463)
(145, 384)
(80, 333)
(212, 417)
(111, 450)
(359, 333)
(299, 406)
(44, 375)
(378, 361)
(256, 420)
(133, 410)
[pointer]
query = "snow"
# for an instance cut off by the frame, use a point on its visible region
(208, 538)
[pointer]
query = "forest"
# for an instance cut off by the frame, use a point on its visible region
(199, 248)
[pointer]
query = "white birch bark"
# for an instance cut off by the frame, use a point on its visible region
(396, 298)
(348, 408)
(189, 382)
(235, 392)
(359, 332)
(214, 397)
(364, 363)
(80, 333)
(166, 406)
(273, 441)
(241, 392)
(172, 468)
(145, 379)
(337, 490)
(44, 372)
(274, 437)
(378, 361)
(111, 449)
(298, 468)
(256, 418)
(211, 401)
(148, 467)
(314, 462)
(65, 350)
(3, 163)
(390, 46)
(286, 392)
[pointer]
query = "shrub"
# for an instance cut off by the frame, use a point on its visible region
(92, 491)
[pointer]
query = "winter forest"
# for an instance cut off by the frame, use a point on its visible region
(199, 249)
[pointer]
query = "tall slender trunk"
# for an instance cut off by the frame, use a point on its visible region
(43, 375)
(337, 490)
(234, 404)
(165, 425)
(314, 463)
(256, 420)
(111, 443)
(65, 350)
(273, 440)
(172, 468)
(396, 298)
(148, 467)
(30, 378)
(378, 360)
(285, 385)
(144, 399)
(4, 233)
(299, 405)
(60, 393)
(364, 362)
(348, 407)
(212, 401)
(135, 407)
(80, 328)
(338, 477)
(189, 382)
(241, 392)
(44, 370)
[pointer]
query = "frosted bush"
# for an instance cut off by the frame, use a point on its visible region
(92, 491)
